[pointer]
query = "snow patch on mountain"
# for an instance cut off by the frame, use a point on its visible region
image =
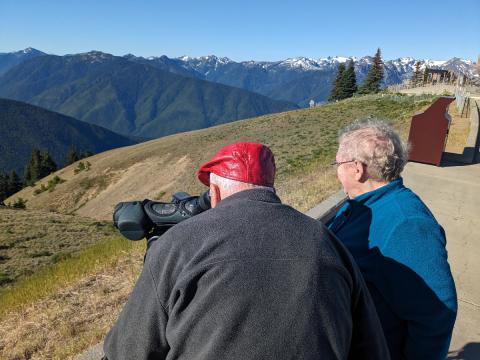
(395, 70)
(93, 56)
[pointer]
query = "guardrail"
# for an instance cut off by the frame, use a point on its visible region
(326, 210)
(441, 86)
(462, 97)
(470, 152)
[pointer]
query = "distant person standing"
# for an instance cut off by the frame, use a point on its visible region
(249, 279)
(397, 243)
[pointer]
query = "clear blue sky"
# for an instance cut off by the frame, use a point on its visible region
(244, 30)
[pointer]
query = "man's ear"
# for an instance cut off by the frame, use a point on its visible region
(214, 195)
(361, 174)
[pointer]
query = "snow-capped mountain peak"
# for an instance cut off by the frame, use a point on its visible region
(300, 63)
(93, 56)
(28, 51)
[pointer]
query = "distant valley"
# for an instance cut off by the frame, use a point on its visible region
(25, 127)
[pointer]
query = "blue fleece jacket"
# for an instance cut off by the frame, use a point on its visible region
(400, 249)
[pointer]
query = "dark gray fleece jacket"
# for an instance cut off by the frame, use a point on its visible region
(250, 279)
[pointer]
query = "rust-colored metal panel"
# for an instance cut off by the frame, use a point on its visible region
(428, 133)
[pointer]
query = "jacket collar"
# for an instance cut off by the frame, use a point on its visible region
(372, 196)
(252, 195)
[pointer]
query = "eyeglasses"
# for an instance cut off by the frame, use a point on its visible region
(338, 163)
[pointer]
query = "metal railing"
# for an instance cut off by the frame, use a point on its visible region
(462, 99)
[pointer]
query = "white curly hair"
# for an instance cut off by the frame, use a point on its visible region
(376, 144)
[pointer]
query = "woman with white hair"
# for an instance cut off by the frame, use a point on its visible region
(396, 241)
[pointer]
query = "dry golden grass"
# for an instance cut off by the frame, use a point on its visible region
(73, 318)
(458, 132)
(306, 191)
(70, 317)
(32, 239)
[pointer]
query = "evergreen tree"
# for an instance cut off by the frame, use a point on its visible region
(86, 154)
(337, 92)
(417, 76)
(374, 77)
(47, 165)
(32, 170)
(14, 183)
(9, 185)
(349, 81)
(40, 165)
(72, 156)
(3, 187)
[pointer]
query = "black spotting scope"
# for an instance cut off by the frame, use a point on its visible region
(143, 219)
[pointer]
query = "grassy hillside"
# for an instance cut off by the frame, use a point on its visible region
(303, 141)
(32, 239)
(24, 127)
(65, 307)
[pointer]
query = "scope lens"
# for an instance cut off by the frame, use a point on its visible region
(192, 205)
(164, 209)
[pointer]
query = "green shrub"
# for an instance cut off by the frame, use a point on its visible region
(52, 183)
(19, 204)
(82, 166)
(40, 190)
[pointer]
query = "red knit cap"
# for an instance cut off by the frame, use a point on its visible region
(247, 162)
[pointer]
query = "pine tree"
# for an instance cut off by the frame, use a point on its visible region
(47, 165)
(372, 82)
(32, 170)
(3, 187)
(337, 92)
(72, 156)
(9, 185)
(14, 183)
(417, 76)
(40, 165)
(86, 154)
(349, 80)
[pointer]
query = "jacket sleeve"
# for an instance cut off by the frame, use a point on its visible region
(420, 287)
(139, 332)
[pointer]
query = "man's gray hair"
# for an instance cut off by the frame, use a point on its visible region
(229, 184)
(376, 144)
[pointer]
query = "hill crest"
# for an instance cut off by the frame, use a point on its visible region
(303, 141)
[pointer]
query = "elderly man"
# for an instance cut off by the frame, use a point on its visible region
(397, 243)
(249, 279)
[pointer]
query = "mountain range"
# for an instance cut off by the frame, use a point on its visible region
(24, 127)
(296, 80)
(129, 97)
